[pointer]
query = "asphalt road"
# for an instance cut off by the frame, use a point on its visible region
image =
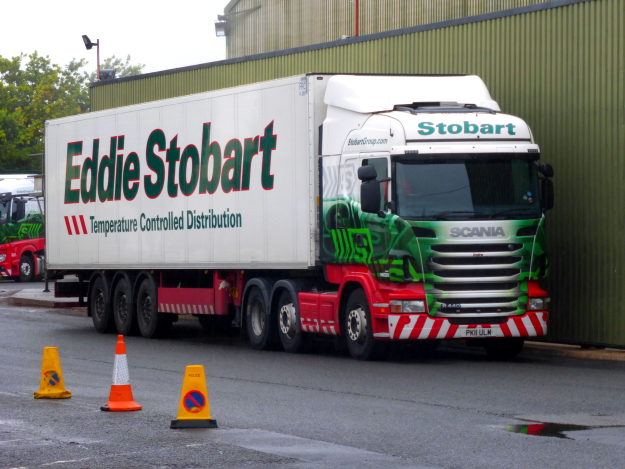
(320, 410)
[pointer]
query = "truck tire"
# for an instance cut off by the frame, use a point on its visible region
(124, 308)
(258, 320)
(101, 313)
(358, 328)
(152, 324)
(503, 349)
(293, 339)
(27, 269)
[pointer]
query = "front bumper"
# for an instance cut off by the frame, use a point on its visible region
(422, 326)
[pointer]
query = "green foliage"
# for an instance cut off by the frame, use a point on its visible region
(33, 90)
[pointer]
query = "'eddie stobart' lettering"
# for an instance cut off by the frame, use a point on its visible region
(109, 177)
(481, 231)
(428, 128)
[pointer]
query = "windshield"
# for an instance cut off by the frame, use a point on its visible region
(454, 188)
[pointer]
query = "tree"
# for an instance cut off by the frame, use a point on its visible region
(33, 90)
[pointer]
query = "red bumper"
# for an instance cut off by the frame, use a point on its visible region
(421, 326)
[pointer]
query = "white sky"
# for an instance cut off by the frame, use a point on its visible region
(161, 35)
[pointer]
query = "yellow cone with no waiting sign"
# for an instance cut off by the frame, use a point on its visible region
(195, 409)
(52, 382)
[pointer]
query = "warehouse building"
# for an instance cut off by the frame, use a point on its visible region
(560, 65)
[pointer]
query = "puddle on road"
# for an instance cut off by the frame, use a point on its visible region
(555, 430)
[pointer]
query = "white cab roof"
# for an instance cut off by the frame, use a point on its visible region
(369, 93)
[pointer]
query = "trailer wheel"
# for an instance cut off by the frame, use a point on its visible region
(151, 324)
(358, 328)
(101, 307)
(293, 339)
(124, 309)
(503, 349)
(27, 269)
(258, 323)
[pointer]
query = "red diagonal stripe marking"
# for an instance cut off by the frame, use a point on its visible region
(506, 330)
(438, 323)
(537, 325)
(453, 328)
(76, 224)
(418, 327)
(521, 327)
(84, 226)
(69, 227)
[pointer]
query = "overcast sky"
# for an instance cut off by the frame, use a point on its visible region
(161, 35)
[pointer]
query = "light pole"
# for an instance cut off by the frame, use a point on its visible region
(89, 45)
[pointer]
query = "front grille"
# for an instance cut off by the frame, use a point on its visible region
(497, 299)
(476, 286)
(498, 247)
(477, 310)
(476, 273)
(476, 260)
(471, 321)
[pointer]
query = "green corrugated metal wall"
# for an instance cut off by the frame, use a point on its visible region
(561, 69)
(283, 24)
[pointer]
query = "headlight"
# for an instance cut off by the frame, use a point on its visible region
(538, 304)
(3, 257)
(407, 306)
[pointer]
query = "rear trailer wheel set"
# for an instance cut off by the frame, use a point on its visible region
(127, 302)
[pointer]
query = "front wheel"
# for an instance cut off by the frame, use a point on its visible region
(27, 269)
(358, 328)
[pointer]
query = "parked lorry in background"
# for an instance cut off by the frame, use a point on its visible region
(375, 209)
(22, 241)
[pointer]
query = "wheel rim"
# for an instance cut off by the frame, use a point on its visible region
(122, 308)
(288, 320)
(99, 306)
(357, 325)
(25, 269)
(146, 309)
(258, 317)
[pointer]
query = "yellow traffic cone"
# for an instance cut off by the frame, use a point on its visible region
(52, 382)
(195, 408)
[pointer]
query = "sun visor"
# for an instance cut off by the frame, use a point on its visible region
(367, 94)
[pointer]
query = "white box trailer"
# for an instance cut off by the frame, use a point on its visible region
(306, 206)
(203, 193)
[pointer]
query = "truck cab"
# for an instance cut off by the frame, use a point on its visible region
(22, 243)
(443, 199)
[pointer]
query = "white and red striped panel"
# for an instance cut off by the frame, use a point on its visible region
(420, 326)
(179, 308)
(76, 225)
(6, 274)
(313, 325)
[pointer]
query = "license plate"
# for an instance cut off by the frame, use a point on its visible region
(477, 332)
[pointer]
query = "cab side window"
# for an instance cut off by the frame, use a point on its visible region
(381, 168)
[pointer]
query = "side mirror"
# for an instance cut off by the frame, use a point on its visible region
(370, 197)
(367, 173)
(548, 194)
(546, 169)
(20, 210)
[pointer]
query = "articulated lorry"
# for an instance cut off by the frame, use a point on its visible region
(22, 239)
(369, 209)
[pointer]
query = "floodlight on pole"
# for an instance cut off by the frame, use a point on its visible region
(89, 45)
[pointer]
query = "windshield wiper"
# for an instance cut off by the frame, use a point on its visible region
(513, 210)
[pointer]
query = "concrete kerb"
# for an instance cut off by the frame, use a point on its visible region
(36, 297)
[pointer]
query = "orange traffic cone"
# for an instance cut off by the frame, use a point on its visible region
(121, 392)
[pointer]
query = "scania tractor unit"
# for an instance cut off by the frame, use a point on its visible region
(367, 209)
(22, 241)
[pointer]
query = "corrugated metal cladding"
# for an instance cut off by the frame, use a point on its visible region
(283, 24)
(563, 70)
